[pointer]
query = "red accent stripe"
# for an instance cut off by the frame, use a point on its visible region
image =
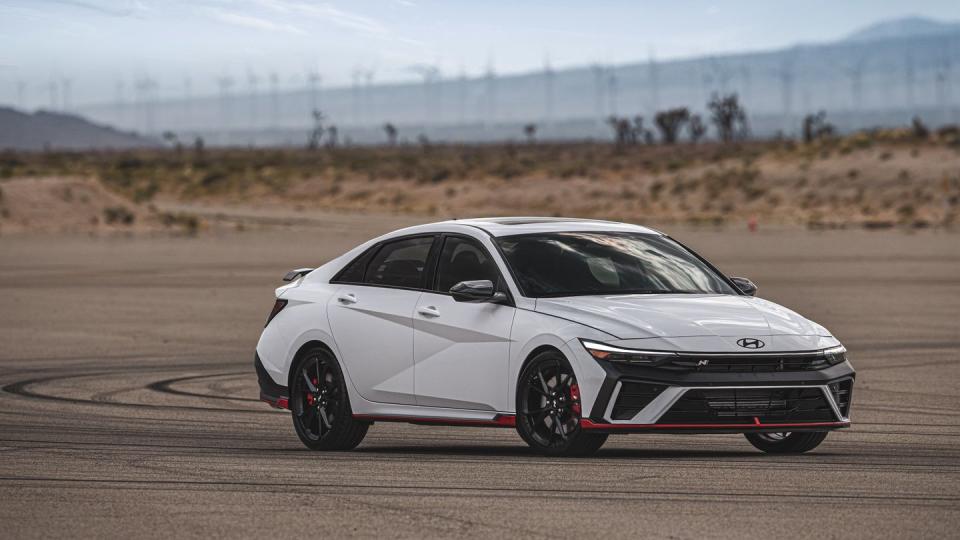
(589, 424)
(501, 420)
(281, 403)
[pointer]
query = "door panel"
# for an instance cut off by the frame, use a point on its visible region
(462, 352)
(373, 330)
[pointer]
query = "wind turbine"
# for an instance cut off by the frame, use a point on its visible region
(598, 72)
(548, 91)
(653, 74)
(490, 80)
(225, 84)
(274, 99)
(21, 95)
(253, 81)
(430, 75)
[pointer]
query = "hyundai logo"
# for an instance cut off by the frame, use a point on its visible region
(750, 343)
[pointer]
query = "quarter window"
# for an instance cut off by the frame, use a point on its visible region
(400, 263)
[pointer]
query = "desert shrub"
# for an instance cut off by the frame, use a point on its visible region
(118, 215)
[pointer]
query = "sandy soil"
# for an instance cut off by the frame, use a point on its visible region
(128, 406)
(69, 205)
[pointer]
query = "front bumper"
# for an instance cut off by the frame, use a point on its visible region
(637, 398)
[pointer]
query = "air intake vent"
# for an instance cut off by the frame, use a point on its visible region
(743, 405)
(842, 394)
(633, 397)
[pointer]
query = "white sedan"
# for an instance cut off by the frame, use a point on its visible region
(568, 330)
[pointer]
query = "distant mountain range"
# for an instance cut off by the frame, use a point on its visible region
(881, 75)
(50, 130)
(903, 28)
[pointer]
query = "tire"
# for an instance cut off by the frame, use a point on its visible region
(548, 408)
(786, 443)
(320, 405)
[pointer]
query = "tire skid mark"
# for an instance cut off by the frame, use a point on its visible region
(563, 493)
(164, 386)
(21, 388)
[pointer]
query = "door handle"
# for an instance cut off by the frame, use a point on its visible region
(348, 298)
(428, 311)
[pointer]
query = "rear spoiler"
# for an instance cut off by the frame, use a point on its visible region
(299, 272)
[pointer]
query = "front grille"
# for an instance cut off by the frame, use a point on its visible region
(748, 405)
(633, 397)
(842, 394)
(746, 363)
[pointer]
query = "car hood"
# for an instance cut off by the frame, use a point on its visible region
(681, 316)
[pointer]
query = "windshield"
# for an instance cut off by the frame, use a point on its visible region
(588, 263)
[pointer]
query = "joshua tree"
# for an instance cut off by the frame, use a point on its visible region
(729, 117)
(198, 147)
(815, 126)
(530, 130)
(391, 131)
(670, 122)
(316, 134)
(623, 131)
(332, 136)
(697, 128)
(920, 129)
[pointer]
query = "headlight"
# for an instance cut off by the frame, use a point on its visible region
(610, 353)
(835, 355)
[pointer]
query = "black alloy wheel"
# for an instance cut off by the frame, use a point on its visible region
(787, 442)
(320, 405)
(549, 408)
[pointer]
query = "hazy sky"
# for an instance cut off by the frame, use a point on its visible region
(96, 44)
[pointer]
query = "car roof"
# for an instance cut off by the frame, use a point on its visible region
(509, 226)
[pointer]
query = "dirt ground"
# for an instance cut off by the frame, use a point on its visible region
(129, 406)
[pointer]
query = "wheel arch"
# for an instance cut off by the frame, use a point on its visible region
(300, 352)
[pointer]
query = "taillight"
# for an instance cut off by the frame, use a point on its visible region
(277, 307)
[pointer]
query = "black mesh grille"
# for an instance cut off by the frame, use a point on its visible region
(743, 405)
(633, 398)
(842, 394)
(746, 364)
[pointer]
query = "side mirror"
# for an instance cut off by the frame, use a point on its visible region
(745, 285)
(476, 292)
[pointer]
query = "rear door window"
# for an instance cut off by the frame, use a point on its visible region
(400, 263)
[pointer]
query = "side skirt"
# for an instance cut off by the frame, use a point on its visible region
(500, 420)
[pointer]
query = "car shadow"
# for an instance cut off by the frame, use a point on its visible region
(521, 451)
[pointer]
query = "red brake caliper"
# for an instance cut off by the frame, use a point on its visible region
(575, 399)
(309, 395)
